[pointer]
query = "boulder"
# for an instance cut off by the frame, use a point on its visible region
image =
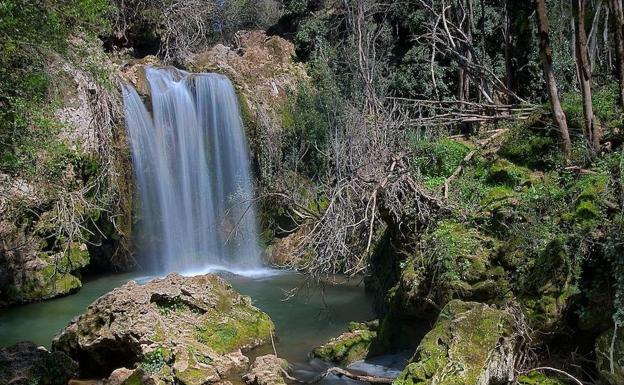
(267, 370)
(459, 263)
(470, 344)
(611, 373)
(350, 346)
(27, 364)
(184, 330)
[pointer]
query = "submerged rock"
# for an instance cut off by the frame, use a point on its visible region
(187, 330)
(470, 344)
(27, 364)
(267, 370)
(350, 346)
(611, 371)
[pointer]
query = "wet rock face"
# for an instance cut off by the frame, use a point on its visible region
(469, 344)
(187, 330)
(350, 346)
(27, 364)
(267, 370)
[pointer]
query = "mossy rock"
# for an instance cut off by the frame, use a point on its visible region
(53, 276)
(535, 149)
(457, 262)
(469, 344)
(603, 357)
(240, 328)
(350, 346)
(589, 208)
(503, 172)
(537, 378)
(184, 329)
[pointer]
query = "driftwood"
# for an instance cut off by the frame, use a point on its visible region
(341, 372)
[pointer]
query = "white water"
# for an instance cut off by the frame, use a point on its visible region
(193, 177)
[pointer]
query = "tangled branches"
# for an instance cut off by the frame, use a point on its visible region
(180, 28)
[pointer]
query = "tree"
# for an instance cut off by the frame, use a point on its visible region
(616, 9)
(593, 131)
(543, 29)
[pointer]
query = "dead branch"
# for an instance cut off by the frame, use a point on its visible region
(558, 371)
(467, 159)
(342, 372)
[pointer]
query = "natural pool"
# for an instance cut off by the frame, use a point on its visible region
(303, 319)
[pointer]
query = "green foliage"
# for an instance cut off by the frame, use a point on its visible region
(614, 250)
(310, 36)
(604, 102)
(32, 31)
(537, 378)
(503, 172)
(436, 159)
(536, 149)
(154, 360)
(306, 131)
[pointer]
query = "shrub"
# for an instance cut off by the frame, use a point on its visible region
(437, 159)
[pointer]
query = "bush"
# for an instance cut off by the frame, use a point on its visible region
(306, 132)
(31, 32)
(437, 159)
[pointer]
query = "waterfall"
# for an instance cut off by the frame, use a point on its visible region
(191, 166)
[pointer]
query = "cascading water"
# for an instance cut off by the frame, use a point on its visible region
(192, 170)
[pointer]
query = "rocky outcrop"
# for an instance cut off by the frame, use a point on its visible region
(470, 344)
(264, 73)
(176, 329)
(69, 179)
(27, 364)
(267, 370)
(610, 357)
(350, 346)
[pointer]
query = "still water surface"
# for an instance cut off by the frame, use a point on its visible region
(305, 320)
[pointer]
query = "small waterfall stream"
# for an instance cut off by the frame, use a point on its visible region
(192, 170)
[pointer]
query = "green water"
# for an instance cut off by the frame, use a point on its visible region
(307, 319)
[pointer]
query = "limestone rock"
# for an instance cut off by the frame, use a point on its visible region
(23, 363)
(350, 346)
(470, 344)
(41, 204)
(187, 330)
(266, 370)
(264, 74)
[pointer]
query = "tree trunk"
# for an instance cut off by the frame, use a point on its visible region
(546, 55)
(508, 54)
(592, 129)
(616, 8)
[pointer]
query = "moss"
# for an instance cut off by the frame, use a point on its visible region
(537, 378)
(243, 327)
(506, 173)
(350, 346)
(438, 158)
(459, 347)
(533, 149)
(496, 195)
(462, 252)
